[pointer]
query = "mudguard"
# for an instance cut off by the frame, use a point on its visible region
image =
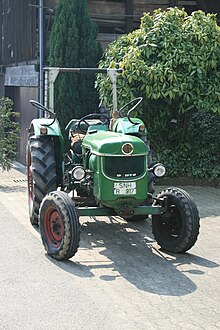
(124, 126)
(54, 132)
(37, 124)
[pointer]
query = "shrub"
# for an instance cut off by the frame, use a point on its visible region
(173, 62)
(9, 134)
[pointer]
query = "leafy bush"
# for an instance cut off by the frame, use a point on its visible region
(173, 62)
(9, 134)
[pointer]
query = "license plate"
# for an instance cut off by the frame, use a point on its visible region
(124, 188)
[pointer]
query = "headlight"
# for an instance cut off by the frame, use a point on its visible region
(142, 128)
(159, 170)
(78, 173)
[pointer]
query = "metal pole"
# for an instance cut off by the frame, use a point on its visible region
(112, 75)
(46, 89)
(52, 77)
(41, 53)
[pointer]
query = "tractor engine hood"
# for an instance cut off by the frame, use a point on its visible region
(104, 143)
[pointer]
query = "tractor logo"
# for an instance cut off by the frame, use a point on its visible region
(127, 149)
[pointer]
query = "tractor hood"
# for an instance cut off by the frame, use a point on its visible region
(112, 144)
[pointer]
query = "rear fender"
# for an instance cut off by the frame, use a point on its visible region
(37, 124)
(124, 126)
(55, 134)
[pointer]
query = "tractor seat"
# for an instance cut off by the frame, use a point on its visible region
(76, 142)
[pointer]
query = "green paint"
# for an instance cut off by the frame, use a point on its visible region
(110, 167)
(123, 125)
(53, 130)
(110, 143)
(55, 133)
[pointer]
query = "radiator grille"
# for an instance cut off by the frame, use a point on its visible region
(124, 167)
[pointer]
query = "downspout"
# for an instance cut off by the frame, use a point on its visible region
(41, 55)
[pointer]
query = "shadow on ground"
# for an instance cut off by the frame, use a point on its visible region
(12, 188)
(132, 253)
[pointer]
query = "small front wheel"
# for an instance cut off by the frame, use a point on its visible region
(177, 229)
(59, 225)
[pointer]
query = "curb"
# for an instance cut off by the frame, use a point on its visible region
(186, 181)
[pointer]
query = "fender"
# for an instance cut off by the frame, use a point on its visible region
(124, 126)
(37, 124)
(54, 132)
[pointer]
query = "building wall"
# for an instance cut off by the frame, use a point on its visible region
(124, 16)
(21, 97)
(115, 17)
(18, 32)
(1, 26)
(2, 85)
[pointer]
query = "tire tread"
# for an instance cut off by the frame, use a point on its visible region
(189, 211)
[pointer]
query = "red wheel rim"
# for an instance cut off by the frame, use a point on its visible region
(30, 181)
(53, 226)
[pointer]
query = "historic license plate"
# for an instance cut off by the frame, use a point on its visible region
(124, 188)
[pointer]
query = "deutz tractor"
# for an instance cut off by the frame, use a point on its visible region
(107, 171)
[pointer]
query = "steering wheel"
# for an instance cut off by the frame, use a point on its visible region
(136, 102)
(105, 121)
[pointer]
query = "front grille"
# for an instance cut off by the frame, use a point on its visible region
(124, 167)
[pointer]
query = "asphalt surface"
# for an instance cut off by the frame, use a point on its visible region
(119, 279)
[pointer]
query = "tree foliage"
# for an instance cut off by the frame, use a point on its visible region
(173, 62)
(73, 44)
(9, 134)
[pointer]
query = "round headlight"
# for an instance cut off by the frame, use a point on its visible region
(159, 170)
(78, 173)
(141, 128)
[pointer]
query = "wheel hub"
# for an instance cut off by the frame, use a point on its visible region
(53, 227)
(172, 222)
(56, 227)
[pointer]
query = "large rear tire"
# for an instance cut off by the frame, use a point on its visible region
(59, 225)
(41, 173)
(176, 230)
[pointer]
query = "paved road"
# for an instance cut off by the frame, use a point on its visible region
(119, 278)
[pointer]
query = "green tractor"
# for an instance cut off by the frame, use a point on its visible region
(107, 171)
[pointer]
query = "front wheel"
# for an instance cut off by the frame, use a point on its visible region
(177, 229)
(59, 225)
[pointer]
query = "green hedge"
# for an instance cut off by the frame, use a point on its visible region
(73, 43)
